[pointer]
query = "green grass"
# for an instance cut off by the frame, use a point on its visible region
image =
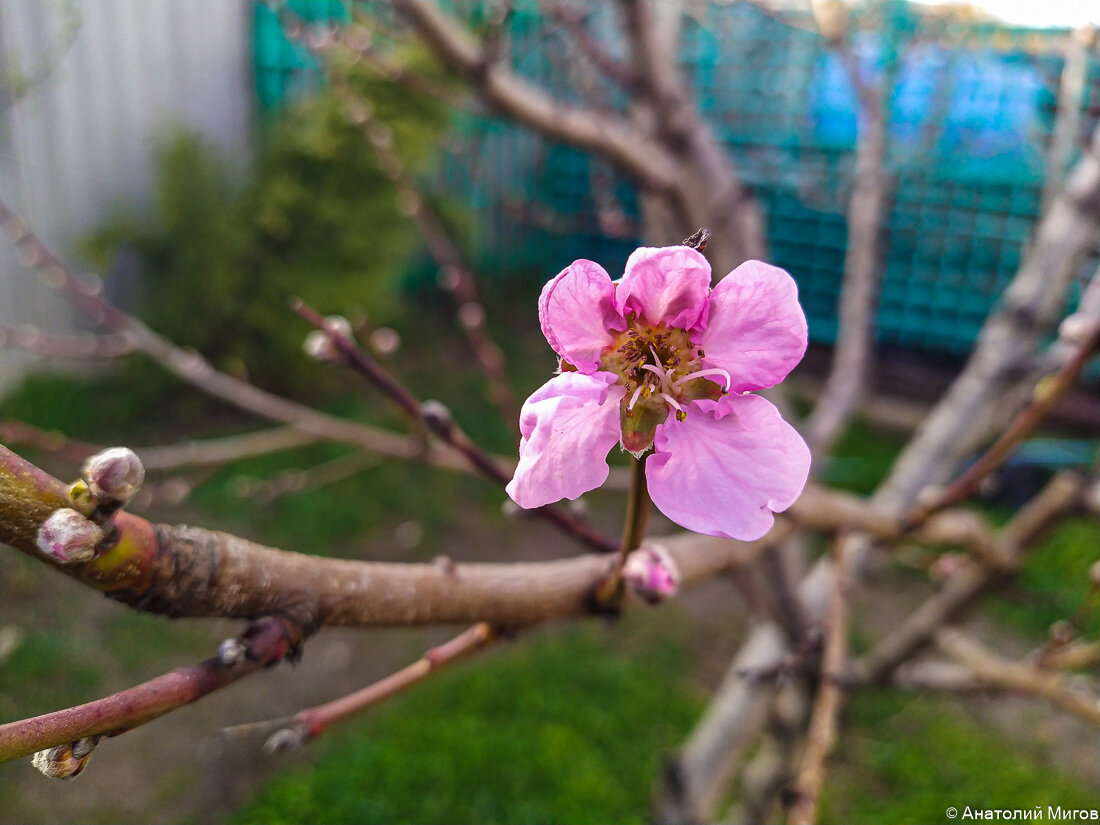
(908, 759)
(563, 727)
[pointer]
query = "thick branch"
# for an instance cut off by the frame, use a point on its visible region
(187, 571)
(1029, 309)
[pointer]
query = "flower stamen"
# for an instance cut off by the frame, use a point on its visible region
(680, 414)
(703, 374)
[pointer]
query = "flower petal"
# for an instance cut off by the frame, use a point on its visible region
(755, 328)
(668, 284)
(577, 313)
(567, 427)
(724, 472)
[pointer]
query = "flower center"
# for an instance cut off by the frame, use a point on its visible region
(660, 369)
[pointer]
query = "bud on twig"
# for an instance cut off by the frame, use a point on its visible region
(65, 761)
(318, 344)
(231, 652)
(286, 739)
(437, 415)
(651, 572)
(114, 476)
(69, 537)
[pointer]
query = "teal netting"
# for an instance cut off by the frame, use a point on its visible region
(970, 120)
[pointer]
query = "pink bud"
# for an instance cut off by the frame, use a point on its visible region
(114, 475)
(69, 537)
(651, 572)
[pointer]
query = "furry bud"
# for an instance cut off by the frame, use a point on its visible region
(114, 475)
(69, 537)
(65, 761)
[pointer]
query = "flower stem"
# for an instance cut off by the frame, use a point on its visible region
(610, 591)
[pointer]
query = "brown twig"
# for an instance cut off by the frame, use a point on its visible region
(456, 276)
(310, 723)
(265, 642)
(435, 417)
(192, 368)
(1047, 393)
(187, 571)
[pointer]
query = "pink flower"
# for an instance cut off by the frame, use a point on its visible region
(659, 359)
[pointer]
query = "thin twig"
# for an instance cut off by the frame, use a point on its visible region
(438, 420)
(456, 276)
(51, 345)
(1047, 393)
(266, 642)
(310, 723)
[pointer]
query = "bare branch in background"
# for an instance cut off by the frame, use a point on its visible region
(50, 345)
(1065, 132)
(991, 670)
(847, 383)
(825, 717)
(1062, 495)
(1030, 307)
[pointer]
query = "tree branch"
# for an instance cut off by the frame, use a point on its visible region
(847, 382)
(188, 571)
(990, 670)
(1061, 496)
(265, 643)
(609, 135)
(825, 717)
(1030, 307)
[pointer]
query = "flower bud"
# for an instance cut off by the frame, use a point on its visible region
(65, 761)
(651, 572)
(69, 537)
(385, 340)
(318, 344)
(285, 739)
(114, 475)
(231, 652)
(1076, 329)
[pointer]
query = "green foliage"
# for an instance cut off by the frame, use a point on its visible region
(1054, 581)
(908, 760)
(562, 728)
(317, 219)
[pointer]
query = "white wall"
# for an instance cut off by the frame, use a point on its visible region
(78, 145)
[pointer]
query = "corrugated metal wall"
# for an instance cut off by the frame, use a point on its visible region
(78, 144)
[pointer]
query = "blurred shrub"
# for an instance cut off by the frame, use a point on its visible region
(315, 217)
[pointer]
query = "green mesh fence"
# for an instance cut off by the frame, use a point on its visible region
(970, 119)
